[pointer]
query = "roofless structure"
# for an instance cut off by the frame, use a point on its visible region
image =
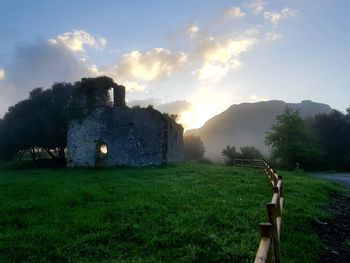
(110, 134)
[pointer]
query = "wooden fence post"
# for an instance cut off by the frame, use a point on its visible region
(275, 177)
(281, 189)
(265, 252)
(278, 209)
(272, 216)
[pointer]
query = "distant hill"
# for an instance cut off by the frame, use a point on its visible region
(246, 124)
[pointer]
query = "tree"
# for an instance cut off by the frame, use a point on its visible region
(193, 148)
(250, 152)
(38, 122)
(333, 134)
(291, 143)
(230, 154)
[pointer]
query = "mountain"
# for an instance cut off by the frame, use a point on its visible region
(246, 124)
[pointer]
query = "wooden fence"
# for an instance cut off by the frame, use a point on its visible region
(269, 247)
(255, 163)
(270, 232)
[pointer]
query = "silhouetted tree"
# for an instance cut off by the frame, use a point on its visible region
(333, 134)
(193, 147)
(37, 122)
(292, 144)
(230, 154)
(250, 152)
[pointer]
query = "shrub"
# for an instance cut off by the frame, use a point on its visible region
(230, 154)
(193, 148)
(250, 152)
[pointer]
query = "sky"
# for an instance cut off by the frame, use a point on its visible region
(193, 58)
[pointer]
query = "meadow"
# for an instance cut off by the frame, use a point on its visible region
(175, 213)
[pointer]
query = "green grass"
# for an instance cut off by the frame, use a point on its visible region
(177, 213)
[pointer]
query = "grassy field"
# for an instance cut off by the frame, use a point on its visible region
(177, 213)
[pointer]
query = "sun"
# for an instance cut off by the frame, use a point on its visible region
(206, 103)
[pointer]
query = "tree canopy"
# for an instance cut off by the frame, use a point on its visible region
(250, 152)
(37, 122)
(333, 134)
(247, 152)
(292, 143)
(193, 147)
(230, 154)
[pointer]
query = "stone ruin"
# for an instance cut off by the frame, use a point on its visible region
(112, 134)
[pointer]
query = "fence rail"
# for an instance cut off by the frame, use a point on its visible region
(270, 232)
(255, 163)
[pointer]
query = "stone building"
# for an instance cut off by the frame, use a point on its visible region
(112, 134)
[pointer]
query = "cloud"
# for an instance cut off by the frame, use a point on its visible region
(2, 74)
(133, 86)
(155, 64)
(218, 58)
(144, 103)
(38, 65)
(234, 12)
(77, 40)
(193, 30)
(276, 17)
(258, 6)
(270, 37)
(174, 107)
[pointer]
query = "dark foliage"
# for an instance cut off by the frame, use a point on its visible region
(333, 134)
(250, 152)
(37, 122)
(230, 154)
(89, 93)
(193, 148)
(247, 152)
(292, 144)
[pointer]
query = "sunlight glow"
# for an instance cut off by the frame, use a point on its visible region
(207, 102)
(2, 74)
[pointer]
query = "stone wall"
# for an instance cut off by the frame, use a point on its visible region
(135, 137)
(175, 151)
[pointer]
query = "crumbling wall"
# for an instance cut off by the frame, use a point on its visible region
(135, 137)
(175, 152)
(82, 139)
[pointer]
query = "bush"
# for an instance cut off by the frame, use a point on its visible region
(230, 154)
(193, 148)
(204, 161)
(247, 152)
(250, 152)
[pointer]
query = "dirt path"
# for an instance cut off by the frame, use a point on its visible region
(335, 233)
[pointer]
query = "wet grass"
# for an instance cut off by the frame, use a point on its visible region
(177, 213)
